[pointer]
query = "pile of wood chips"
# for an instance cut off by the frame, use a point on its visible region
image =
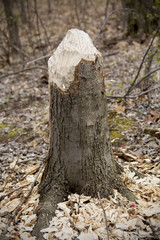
(83, 217)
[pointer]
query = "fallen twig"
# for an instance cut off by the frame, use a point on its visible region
(105, 217)
(14, 190)
(110, 54)
(24, 70)
(153, 131)
(130, 88)
(24, 199)
(127, 156)
(157, 141)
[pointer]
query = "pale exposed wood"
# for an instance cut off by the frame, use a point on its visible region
(76, 45)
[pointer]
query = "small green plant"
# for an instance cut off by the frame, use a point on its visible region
(119, 99)
(8, 131)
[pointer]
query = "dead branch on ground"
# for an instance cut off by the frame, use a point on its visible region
(14, 190)
(153, 131)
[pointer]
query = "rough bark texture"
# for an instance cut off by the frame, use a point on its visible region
(12, 26)
(80, 148)
(146, 17)
(80, 155)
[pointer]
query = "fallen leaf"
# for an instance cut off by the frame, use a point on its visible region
(119, 108)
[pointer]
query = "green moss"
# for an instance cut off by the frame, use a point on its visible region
(102, 46)
(2, 126)
(118, 125)
(115, 134)
(8, 131)
(11, 134)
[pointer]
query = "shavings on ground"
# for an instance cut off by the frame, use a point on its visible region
(83, 217)
(24, 221)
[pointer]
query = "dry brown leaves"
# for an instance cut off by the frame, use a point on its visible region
(82, 216)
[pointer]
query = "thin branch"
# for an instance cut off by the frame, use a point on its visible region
(133, 97)
(147, 91)
(117, 96)
(111, 54)
(105, 217)
(38, 27)
(45, 31)
(106, 8)
(20, 50)
(11, 218)
(14, 190)
(130, 88)
(38, 59)
(77, 14)
(106, 20)
(24, 70)
(140, 80)
(146, 76)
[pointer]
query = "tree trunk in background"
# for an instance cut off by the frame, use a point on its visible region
(81, 159)
(49, 6)
(146, 17)
(12, 26)
(23, 11)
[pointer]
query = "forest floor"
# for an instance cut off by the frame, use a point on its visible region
(134, 128)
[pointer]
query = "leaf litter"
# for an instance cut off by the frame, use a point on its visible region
(82, 216)
(25, 103)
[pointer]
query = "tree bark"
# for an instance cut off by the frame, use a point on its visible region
(49, 3)
(12, 26)
(80, 154)
(23, 11)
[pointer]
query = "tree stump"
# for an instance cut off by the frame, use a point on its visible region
(80, 155)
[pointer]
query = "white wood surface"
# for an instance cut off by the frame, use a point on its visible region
(75, 46)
